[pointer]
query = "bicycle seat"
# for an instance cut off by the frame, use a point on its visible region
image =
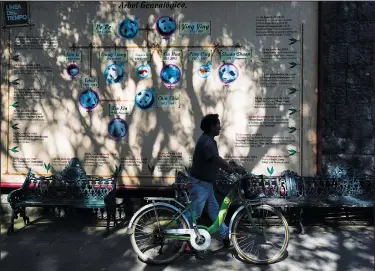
(182, 186)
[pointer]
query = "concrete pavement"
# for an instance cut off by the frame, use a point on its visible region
(78, 243)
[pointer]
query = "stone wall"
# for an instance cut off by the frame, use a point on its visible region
(347, 68)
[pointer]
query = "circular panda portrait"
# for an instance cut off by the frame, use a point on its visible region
(170, 74)
(117, 128)
(143, 71)
(228, 73)
(166, 26)
(204, 71)
(89, 99)
(145, 99)
(72, 70)
(128, 29)
(114, 74)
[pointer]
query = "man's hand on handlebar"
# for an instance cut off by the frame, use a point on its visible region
(235, 168)
(240, 169)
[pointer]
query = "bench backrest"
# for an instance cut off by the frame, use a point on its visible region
(289, 184)
(51, 187)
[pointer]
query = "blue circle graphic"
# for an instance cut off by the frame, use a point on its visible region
(128, 29)
(145, 99)
(166, 26)
(118, 128)
(72, 70)
(89, 99)
(143, 71)
(114, 74)
(228, 73)
(204, 71)
(170, 74)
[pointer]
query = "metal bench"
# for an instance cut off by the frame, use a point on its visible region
(293, 191)
(71, 188)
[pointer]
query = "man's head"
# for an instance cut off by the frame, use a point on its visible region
(211, 125)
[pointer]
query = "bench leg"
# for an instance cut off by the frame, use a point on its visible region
(11, 227)
(26, 219)
(114, 217)
(108, 218)
(301, 227)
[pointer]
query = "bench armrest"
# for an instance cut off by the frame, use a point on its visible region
(16, 195)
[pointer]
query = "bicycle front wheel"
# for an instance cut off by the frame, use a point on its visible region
(148, 240)
(265, 240)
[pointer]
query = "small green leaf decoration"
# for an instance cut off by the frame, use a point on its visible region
(292, 41)
(15, 126)
(47, 167)
(14, 149)
(292, 152)
(292, 65)
(292, 90)
(292, 129)
(270, 170)
(15, 104)
(292, 111)
(15, 82)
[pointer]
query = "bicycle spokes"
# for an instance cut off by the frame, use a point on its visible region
(149, 237)
(262, 238)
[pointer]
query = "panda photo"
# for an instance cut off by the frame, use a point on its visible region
(114, 74)
(228, 73)
(72, 70)
(118, 128)
(170, 74)
(89, 99)
(145, 99)
(166, 26)
(128, 29)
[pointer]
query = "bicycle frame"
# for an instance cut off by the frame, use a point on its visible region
(228, 200)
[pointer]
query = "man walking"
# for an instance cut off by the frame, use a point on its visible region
(204, 172)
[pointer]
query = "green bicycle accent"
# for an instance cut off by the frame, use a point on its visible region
(162, 221)
(221, 217)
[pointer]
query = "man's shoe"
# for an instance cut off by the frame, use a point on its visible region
(227, 243)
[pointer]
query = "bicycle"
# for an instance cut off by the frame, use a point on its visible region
(160, 221)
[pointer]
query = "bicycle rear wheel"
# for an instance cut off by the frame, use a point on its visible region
(266, 245)
(148, 240)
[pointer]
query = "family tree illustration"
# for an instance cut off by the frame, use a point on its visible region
(167, 95)
(170, 73)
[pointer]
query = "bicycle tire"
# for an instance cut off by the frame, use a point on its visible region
(240, 251)
(136, 248)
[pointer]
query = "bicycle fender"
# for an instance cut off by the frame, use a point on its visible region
(129, 228)
(239, 209)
